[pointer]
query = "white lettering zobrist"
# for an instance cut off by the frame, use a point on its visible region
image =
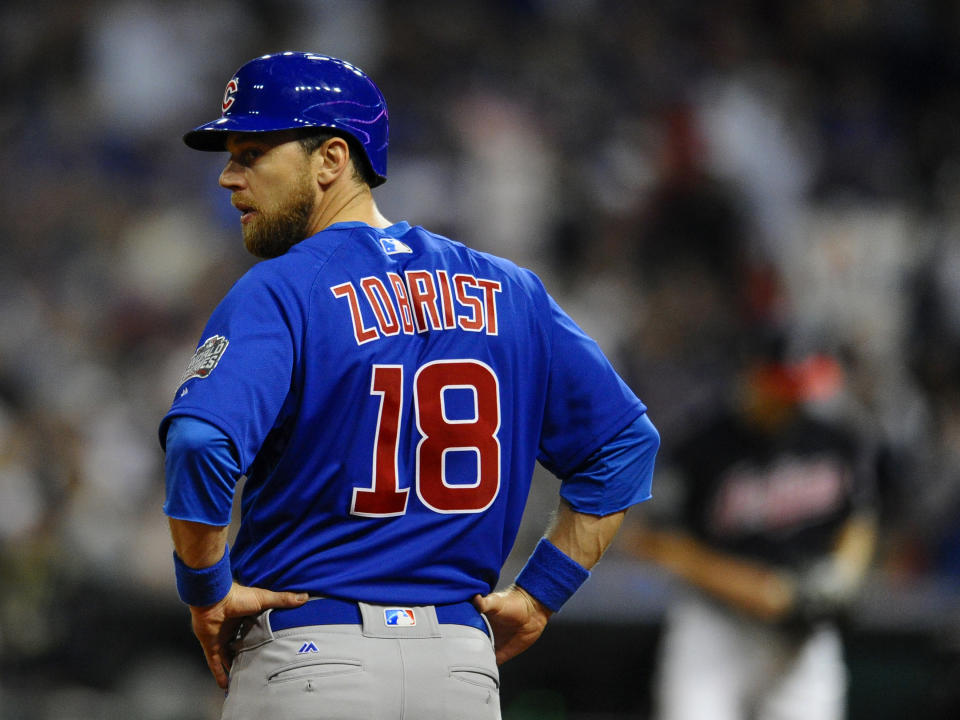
(790, 493)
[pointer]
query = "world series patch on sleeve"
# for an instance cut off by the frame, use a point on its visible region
(205, 359)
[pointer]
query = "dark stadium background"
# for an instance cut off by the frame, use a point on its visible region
(629, 152)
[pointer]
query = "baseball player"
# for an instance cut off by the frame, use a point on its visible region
(386, 393)
(774, 539)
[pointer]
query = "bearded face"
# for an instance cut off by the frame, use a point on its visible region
(273, 231)
(272, 184)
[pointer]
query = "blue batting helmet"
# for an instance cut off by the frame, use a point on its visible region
(290, 90)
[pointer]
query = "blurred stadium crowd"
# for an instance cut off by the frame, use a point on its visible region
(688, 178)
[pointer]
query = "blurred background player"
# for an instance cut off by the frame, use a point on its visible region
(772, 538)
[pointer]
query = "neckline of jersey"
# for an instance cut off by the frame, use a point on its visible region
(394, 230)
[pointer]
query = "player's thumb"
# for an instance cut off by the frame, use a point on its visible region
(271, 599)
(491, 603)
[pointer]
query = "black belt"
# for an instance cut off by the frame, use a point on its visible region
(331, 611)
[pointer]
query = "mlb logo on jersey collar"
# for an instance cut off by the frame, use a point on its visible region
(399, 617)
(392, 246)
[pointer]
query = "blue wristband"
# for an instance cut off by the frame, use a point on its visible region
(551, 575)
(203, 586)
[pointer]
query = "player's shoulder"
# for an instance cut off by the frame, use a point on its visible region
(300, 264)
(272, 273)
(829, 427)
(485, 262)
(353, 247)
(283, 280)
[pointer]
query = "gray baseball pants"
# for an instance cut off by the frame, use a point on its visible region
(364, 671)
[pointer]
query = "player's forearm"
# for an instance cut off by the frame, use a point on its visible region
(561, 562)
(198, 545)
(761, 591)
(855, 549)
(584, 537)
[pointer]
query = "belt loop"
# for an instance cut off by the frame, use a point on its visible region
(486, 622)
(399, 621)
(254, 632)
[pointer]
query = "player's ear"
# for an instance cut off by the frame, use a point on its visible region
(331, 160)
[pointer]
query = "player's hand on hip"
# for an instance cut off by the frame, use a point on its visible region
(517, 619)
(216, 625)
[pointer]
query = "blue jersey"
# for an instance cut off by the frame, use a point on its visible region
(387, 393)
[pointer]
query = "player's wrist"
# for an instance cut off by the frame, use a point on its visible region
(200, 587)
(550, 576)
(535, 606)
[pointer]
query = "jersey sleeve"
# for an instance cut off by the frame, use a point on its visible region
(201, 471)
(242, 372)
(587, 402)
(618, 475)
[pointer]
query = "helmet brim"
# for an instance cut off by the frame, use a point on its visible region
(212, 136)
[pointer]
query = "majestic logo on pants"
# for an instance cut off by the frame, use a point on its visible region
(399, 617)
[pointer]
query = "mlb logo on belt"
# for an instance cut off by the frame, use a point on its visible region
(399, 617)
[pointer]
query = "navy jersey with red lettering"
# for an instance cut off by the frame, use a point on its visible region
(775, 496)
(387, 393)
